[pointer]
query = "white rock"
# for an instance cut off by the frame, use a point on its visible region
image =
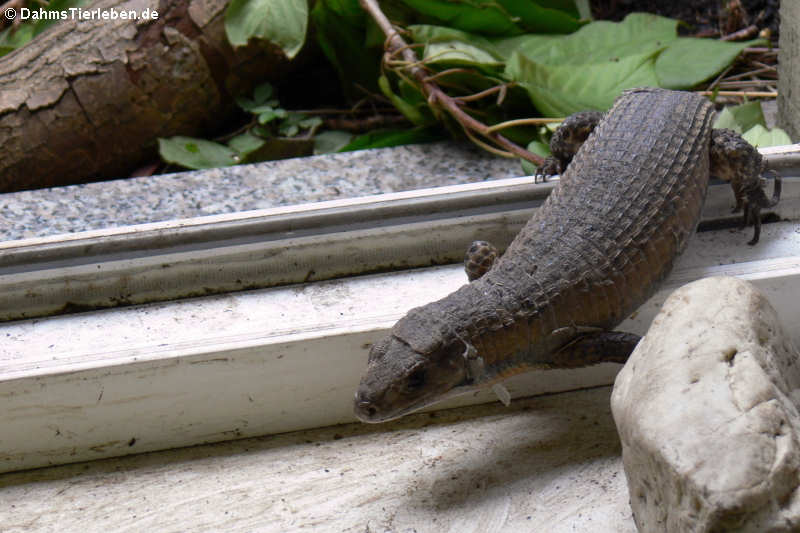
(705, 414)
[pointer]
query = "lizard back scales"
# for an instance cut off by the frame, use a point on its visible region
(595, 250)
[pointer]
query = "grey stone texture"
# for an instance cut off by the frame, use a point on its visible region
(707, 413)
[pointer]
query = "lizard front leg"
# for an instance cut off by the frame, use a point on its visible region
(736, 161)
(567, 140)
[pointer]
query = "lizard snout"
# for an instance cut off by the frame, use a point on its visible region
(364, 408)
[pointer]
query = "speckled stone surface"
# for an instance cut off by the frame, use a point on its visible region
(209, 192)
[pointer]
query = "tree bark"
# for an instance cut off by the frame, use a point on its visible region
(87, 99)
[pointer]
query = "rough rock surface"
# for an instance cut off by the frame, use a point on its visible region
(706, 416)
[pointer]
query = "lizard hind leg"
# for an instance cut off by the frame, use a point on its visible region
(736, 161)
(479, 258)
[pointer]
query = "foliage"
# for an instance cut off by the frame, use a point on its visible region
(264, 138)
(589, 68)
(528, 57)
(282, 22)
(748, 120)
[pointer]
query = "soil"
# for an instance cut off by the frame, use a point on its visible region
(701, 17)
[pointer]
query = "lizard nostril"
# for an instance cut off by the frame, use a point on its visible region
(365, 409)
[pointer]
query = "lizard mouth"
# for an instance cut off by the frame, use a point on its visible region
(367, 411)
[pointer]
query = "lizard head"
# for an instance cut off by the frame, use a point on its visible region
(403, 376)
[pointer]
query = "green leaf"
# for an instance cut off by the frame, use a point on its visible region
(760, 137)
(601, 41)
(584, 9)
(196, 153)
(262, 93)
(688, 61)
(310, 122)
(246, 103)
(589, 68)
(487, 18)
(341, 32)
(458, 53)
(295, 122)
(331, 141)
(538, 148)
(411, 112)
(246, 143)
(268, 114)
(268, 108)
(537, 18)
(725, 119)
(559, 91)
(13, 38)
(282, 22)
(427, 33)
(262, 132)
(569, 7)
(289, 130)
(530, 43)
(741, 117)
(386, 138)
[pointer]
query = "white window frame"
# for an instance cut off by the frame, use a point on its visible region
(235, 364)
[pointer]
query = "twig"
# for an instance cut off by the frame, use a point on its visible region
(741, 34)
(395, 44)
(524, 122)
(447, 72)
(765, 68)
(742, 83)
(719, 78)
(359, 125)
(502, 88)
(354, 111)
(743, 94)
(760, 50)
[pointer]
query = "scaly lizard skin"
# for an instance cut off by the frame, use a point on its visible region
(597, 248)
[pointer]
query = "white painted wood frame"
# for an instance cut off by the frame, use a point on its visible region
(175, 373)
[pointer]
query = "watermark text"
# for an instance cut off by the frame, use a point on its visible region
(79, 13)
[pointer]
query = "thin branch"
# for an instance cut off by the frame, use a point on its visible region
(761, 50)
(354, 111)
(447, 72)
(743, 94)
(524, 122)
(395, 44)
(762, 70)
(477, 96)
(719, 78)
(489, 148)
(744, 33)
(743, 83)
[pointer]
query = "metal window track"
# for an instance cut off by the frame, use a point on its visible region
(285, 245)
(139, 378)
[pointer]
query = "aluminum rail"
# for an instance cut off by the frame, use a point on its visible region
(286, 245)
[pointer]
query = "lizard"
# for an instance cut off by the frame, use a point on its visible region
(633, 182)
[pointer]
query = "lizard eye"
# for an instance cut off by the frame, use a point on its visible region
(416, 379)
